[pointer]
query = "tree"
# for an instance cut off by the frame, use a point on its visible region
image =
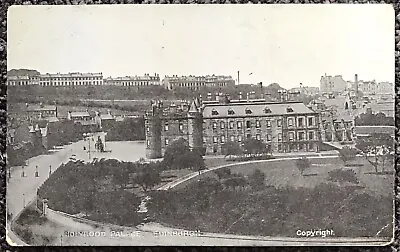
(257, 179)
(231, 148)
(347, 154)
(302, 164)
(366, 119)
(179, 156)
(254, 146)
(376, 147)
(148, 178)
(223, 173)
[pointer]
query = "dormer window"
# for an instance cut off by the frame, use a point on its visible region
(289, 109)
(214, 112)
(267, 110)
(231, 112)
(248, 111)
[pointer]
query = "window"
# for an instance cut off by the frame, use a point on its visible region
(180, 126)
(204, 140)
(268, 123)
(248, 111)
(215, 139)
(269, 137)
(279, 122)
(222, 125)
(310, 121)
(290, 122)
(267, 110)
(166, 126)
(279, 137)
(148, 143)
(166, 141)
(214, 112)
(222, 139)
(231, 124)
(258, 124)
(231, 112)
(289, 110)
(239, 125)
(291, 136)
(214, 125)
(258, 137)
(301, 136)
(311, 135)
(148, 129)
(300, 122)
(239, 138)
(248, 124)
(232, 138)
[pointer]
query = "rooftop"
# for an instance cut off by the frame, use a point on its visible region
(255, 109)
(32, 108)
(79, 114)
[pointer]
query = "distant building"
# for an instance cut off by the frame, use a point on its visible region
(71, 79)
(24, 80)
(137, 81)
(196, 82)
(36, 112)
(305, 90)
(105, 121)
(332, 84)
(368, 131)
(207, 125)
(79, 116)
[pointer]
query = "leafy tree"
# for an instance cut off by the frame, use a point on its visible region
(376, 148)
(257, 179)
(302, 164)
(347, 154)
(366, 119)
(223, 173)
(254, 146)
(231, 148)
(148, 178)
(179, 156)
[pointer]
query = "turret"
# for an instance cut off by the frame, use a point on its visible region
(195, 126)
(153, 130)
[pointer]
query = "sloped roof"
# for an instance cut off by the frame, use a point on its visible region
(41, 108)
(80, 114)
(106, 117)
(257, 109)
(368, 130)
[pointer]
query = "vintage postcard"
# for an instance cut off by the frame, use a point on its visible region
(200, 125)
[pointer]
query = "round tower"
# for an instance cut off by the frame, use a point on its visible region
(195, 127)
(153, 130)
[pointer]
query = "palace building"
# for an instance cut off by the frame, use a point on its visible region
(138, 81)
(285, 126)
(197, 82)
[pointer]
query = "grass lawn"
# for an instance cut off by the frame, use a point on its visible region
(284, 173)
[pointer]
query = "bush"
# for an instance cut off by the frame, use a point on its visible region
(339, 175)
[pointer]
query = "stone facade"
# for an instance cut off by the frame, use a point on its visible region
(284, 126)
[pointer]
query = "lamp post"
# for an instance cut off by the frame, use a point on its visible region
(87, 137)
(50, 171)
(23, 171)
(23, 200)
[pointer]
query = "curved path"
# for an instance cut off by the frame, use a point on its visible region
(151, 234)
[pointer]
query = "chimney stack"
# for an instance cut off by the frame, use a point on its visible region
(356, 83)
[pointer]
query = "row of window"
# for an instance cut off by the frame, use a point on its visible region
(62, 83)
(71, 78)
(248, 124)
(239, 138)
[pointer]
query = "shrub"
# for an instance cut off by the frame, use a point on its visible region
(339, 175)
(302, 164)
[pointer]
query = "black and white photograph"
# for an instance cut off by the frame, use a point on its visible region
(200, 125)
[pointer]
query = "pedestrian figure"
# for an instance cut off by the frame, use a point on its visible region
(36, 172)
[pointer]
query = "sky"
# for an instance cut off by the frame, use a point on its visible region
(284, 44)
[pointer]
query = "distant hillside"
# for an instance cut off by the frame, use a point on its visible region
(21, 72)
